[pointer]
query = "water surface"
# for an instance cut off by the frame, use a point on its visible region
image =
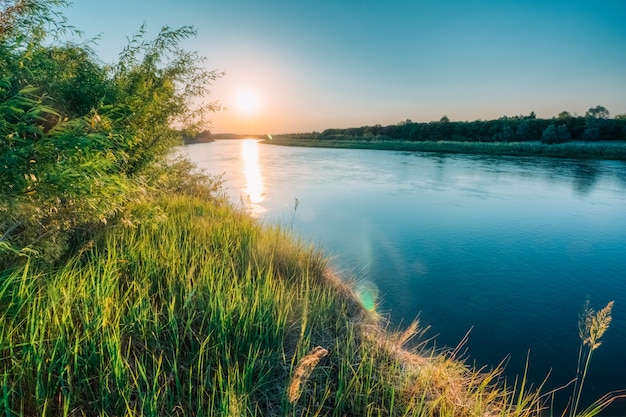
(507, 247)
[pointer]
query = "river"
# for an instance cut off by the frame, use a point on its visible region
(505, 248)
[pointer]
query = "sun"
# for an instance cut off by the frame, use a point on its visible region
(247, 103)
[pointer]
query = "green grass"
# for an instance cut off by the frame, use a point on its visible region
(201, 311)
(579, 150)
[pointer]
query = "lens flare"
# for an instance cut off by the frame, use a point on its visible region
(367, 294)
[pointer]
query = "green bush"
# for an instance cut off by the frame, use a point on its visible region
(77, 138)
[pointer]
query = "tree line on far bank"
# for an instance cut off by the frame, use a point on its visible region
(595, 125)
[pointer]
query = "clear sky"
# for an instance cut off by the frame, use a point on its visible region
(299, 66)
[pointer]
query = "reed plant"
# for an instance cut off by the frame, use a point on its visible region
(591, 327)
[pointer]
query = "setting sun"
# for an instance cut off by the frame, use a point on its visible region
(247, 103)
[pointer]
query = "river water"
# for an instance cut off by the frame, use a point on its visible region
(505, 248)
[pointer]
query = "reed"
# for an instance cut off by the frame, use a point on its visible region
(303, 371)
(591, 327)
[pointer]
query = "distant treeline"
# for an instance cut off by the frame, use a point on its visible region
(594, 126)
(207, 136)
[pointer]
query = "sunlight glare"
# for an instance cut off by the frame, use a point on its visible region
(252, 171)
(247, 103)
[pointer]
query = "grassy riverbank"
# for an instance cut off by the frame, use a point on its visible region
(188, 307)
(615, 150)
(128, 287)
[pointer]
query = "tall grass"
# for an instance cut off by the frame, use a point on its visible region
(591, 326)
(200, 311)
(580, 150)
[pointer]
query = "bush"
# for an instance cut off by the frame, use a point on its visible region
(77, 138)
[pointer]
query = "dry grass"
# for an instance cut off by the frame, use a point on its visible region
(303, 370)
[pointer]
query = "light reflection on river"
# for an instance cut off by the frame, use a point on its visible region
(509, 247)
(254, 188)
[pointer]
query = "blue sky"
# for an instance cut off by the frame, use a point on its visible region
(320, 64)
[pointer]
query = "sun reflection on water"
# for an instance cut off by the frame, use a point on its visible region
(254, 188)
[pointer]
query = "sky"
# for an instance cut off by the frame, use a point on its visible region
(300, 66)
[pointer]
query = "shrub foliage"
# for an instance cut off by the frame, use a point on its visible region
(77, 137)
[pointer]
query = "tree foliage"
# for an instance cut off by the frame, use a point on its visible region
(598, 112)
(77, 138)
(32, 20)
(553, 134)
(595, 126)
(564, 115)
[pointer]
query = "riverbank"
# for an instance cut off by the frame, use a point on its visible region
(191, 307)
(610, 150)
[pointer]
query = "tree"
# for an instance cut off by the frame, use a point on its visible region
(505, 135)
(620, 117)
(564, 115)
(444, 119)
(596, 123)
(523, 130)
(553, 134)
(32, 20)
(592, 130)
(165, 79)
(598, 112)
(563, 134)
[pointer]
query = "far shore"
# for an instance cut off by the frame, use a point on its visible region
(610, 150)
